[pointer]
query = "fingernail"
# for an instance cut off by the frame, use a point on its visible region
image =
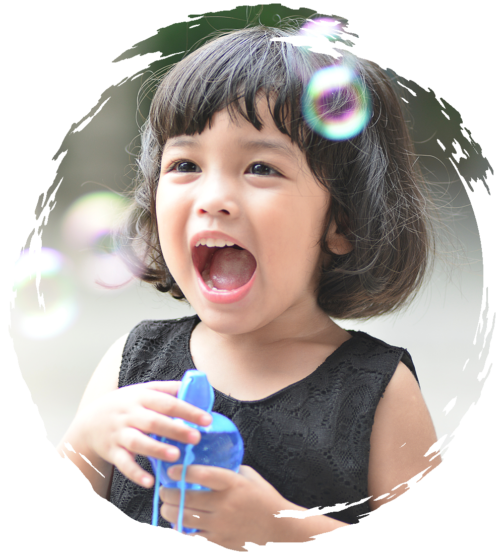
(205, 419)
(194, 435)
(171, 472)
(172, 453)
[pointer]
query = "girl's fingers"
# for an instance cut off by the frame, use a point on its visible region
(139, 443)
(170, 387)
(136, 442)
(125, 417)
(125, 463)
(212, 477)
(157, 400)
(190, 518)
(151, 422)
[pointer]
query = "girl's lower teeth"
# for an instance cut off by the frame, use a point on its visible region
(208, 280)
(210, 285)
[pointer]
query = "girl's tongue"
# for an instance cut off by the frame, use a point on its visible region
(229, 268)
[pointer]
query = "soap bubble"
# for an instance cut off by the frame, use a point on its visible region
(88, 228)
(54, 309)
(91, 217)
(336, 103)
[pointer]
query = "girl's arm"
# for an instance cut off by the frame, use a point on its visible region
(113, 424)
(103, 380)
(402, 434)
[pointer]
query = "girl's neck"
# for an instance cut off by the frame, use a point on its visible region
(301, 323)
(256, 364)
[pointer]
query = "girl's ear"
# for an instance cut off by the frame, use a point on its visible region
(337, 242)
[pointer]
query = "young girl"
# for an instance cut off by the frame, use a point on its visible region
(270, 231)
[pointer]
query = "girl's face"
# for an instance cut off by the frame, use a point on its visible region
(240, 217)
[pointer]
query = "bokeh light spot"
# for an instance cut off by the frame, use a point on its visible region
(88, 227)
(91, 216)
(56, 309)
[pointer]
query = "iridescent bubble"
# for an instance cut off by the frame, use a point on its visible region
(91, 217)
(54, 309)
(336, 103)
(88, 227)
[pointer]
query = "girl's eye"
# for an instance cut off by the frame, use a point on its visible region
(262, 169)
(184, 166)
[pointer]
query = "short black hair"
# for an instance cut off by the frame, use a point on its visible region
(379, 201)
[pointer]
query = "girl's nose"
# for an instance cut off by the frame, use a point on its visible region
(217, 197)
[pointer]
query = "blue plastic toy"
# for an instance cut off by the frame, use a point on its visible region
(220, 445)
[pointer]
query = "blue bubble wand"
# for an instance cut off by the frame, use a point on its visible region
(220, 445)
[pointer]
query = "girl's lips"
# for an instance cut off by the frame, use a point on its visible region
(222, 296)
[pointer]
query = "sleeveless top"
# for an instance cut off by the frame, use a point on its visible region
(310, 440)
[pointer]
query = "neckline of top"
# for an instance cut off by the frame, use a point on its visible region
(329, 360)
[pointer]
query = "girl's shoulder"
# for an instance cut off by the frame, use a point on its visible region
(105, 377)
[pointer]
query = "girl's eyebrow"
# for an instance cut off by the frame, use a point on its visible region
(181, 142)
(276, 146)
(257, 144)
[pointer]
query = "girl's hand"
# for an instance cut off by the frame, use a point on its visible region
(240, 507)
(115, 426)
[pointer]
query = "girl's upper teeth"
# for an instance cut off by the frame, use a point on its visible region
(214, 243)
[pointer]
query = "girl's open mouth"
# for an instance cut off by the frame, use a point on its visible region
(225, 272)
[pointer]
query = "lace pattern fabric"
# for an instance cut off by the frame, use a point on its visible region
(310, 440)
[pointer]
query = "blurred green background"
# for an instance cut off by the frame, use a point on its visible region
(59, 347)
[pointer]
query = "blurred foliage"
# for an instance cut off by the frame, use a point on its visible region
(189, 35)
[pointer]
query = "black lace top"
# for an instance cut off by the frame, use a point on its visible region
(309, 440)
